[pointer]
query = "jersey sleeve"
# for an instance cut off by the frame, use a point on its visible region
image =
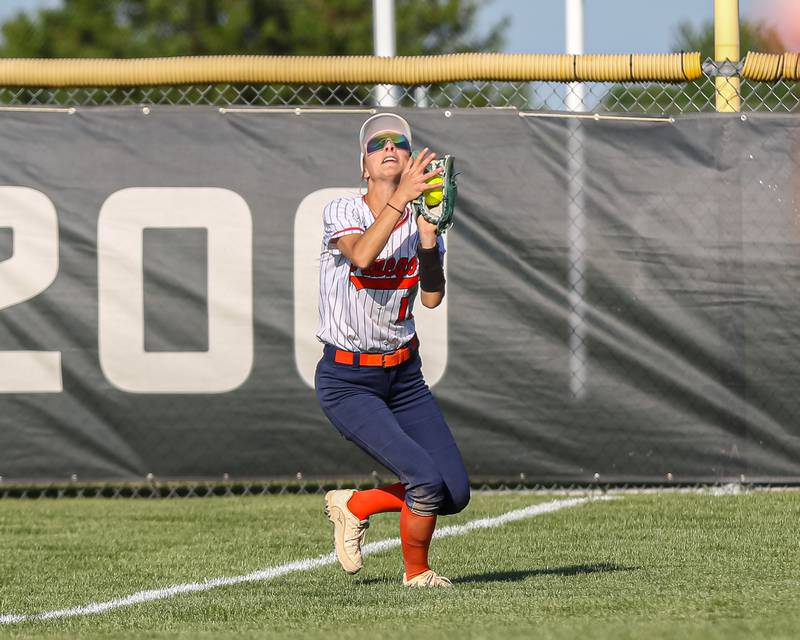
(340, 218)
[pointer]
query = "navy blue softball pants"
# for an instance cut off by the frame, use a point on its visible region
(391, 414)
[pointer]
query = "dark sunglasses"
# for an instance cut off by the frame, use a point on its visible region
(378, 142)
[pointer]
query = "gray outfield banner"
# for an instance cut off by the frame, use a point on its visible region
(621, 300)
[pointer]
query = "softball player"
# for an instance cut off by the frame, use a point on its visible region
(376, 255)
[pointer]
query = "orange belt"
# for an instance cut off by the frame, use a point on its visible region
(378, 359)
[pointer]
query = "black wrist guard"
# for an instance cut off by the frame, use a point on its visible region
(431, 273)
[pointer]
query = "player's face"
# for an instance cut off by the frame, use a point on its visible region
(387, 155)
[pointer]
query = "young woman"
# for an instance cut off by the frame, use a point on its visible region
(376, 255)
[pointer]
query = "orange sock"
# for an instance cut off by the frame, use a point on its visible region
(415, 535)
(363, 504)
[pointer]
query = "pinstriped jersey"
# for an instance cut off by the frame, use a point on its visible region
(367, 310)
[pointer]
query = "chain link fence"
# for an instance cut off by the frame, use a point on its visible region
(652, 99)
(595, 97)
(254, 488)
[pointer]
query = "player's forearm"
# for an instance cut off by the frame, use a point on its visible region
(374, 239)
(431, 276)
(431, 299)
(427, 240)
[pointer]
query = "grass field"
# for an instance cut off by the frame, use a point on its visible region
(656, 566)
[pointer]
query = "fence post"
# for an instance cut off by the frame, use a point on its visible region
(726, 48)
(576, 210)
(384, 42)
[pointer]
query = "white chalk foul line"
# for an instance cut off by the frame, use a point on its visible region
(291, 567)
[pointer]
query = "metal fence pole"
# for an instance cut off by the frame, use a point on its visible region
(726, 49)
(575, 101)
(383, 34)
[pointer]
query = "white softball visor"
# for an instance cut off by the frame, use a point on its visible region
(380, 123)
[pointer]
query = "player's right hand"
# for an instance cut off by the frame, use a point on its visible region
(413, 180)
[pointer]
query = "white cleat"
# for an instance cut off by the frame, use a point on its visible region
(426, 579)
(349, 532)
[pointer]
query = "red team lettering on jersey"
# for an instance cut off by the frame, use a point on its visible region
(386, 274)
(368, 310)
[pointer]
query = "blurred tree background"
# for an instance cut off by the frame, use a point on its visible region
(146, 28)
(154, 28)
(753, 36)
(700, 95)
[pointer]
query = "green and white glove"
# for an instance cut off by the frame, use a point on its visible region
(437, 206)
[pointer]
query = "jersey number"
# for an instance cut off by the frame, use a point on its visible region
(404, 314)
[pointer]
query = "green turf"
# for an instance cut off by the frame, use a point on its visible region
(642, 566)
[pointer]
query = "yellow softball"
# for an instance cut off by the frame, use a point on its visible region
(434, 196)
